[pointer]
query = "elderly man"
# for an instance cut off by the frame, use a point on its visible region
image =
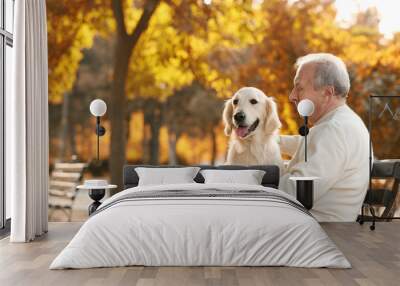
(338, 142)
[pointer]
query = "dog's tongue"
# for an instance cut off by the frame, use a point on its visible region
(241, 131)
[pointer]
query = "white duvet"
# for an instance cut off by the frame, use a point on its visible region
(200, 231)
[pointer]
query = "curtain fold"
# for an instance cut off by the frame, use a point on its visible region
(28, 123)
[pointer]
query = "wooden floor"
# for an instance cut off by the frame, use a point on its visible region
(375, 257)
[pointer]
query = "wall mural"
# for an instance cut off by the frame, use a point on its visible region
(165, 80)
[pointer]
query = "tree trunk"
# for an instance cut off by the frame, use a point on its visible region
(152, 122)
(64, 127)
(74, 105)
(128, 123)
(213, 146)
(145, 140)
(155, 125)
(144, 143)
(123, 50)
(172, 139)
(117, 104)
(71, 136)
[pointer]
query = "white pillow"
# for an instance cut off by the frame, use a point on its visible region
(249, 177)
(163, 176)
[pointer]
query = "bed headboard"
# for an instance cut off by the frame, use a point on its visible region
(270, 179)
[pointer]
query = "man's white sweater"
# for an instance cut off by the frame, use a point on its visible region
(337, 153)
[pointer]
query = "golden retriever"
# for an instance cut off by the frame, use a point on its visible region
(251, 120)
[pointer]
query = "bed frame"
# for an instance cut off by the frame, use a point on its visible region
(270, 179)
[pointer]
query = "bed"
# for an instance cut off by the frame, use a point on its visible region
(198, 224)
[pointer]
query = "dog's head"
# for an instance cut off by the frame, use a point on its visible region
(250, 111)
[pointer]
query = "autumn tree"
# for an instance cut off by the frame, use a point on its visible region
(193, 110)
(71, 27)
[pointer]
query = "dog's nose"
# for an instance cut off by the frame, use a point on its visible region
(239, 117)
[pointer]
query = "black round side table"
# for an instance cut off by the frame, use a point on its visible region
(96, 193)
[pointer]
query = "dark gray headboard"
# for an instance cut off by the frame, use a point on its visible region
(270, 179)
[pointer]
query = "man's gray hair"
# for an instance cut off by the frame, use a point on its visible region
(329, 70)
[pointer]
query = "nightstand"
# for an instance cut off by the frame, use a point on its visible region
(96, 193)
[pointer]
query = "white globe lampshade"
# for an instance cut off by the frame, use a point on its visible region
(98, 107)
(305, 107)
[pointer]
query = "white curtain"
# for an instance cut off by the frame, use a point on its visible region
(27, 123)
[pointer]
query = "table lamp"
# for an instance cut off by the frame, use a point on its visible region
(305, 109)
(97, 187)
(305, 185)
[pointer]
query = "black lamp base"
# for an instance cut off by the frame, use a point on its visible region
(305, 193)
(96, 195)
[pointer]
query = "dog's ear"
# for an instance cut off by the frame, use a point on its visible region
(272, 122)
(227, 117)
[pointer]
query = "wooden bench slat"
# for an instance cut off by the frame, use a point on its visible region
(60, 202)
(70, 166)
(66, 175)
(58, 193)
(71, 176)
(63, 184)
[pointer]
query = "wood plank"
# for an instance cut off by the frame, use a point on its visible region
(70, 166)
(375, 258)
(62, 184)
(61, 193)
(66, 176)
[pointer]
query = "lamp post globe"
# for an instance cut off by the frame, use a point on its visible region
(98, 107)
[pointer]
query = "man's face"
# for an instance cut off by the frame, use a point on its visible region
(304, 89)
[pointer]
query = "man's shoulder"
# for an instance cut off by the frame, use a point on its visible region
(347, 125)
(347, 119)
(330, 130)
